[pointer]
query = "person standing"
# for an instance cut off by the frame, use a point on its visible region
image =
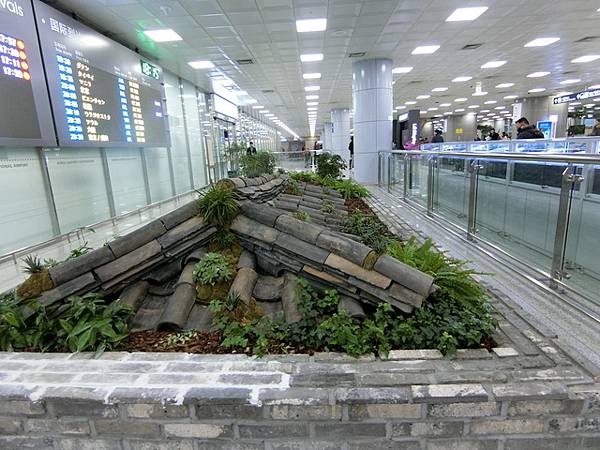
(351, 148)
(251, 150)
(438, 138)
(596, 129)
(526, 131)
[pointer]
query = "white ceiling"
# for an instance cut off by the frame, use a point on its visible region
(264, 30)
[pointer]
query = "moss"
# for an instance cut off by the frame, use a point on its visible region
(205, 292)
(246, 313)
(370, 260)
(35, 285)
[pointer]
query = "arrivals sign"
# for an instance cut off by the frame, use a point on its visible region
(576, 97)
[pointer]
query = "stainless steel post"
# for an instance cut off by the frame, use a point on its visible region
(405, 180)
(389, 172)
(473, 168)
(430, 183)
(379, 169)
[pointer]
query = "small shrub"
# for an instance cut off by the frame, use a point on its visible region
(302, 215)
(223, 239)
(262, 163)
(79, 251)
(328, 207)
(372, 232)
(211, 269)
(182, 338)
(33, 264)
(351, 189)
(329, 165)
(306, 177)
(218, 205)
(292, 187)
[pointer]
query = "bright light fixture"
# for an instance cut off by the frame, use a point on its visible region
(586, 58)
(269, 115)
(542, 42)
(439, 89)
(504, 85)
(595, 86)
(500, 107)
(311, 76)
(538, 74)
(258, 107)
(312, 108)
(311, 57)
(423, 97)
(445, 105)
(201, 65)
(312, 97)
(401, 69)
(307, 25)
(571, 81)
(533, 91)
(312, 103)
(448, 113)
(491, 102)
(461, 99)
(474, 106)
(510, 97)
(410, 102)
(425, 50)
(484, 111)
(432, 109)
(462, 14)
(312, 88)
(493, 64)
(459, 110)
(479, 94)
(264, 111)
(167, 35)
(401, 107)
(461, 79)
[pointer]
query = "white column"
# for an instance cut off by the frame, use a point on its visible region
(327, 136)
(340, 136)
(373, 114)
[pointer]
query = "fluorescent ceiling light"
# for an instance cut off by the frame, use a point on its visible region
(439, 89)
(493, 64)
(312, 108)
(201, 65)
(484, 111)
(423, 97)
(560, 94)
(509, 97)
(533, 91)
(312, 88)
(538, 74)
(461, 99)
(410, 102)
(542, 42)
(312, 103)
(401, 69)
(570, 81)
(595, 86)
(401, 107)
(258, 107)
(504, 85)
(491, 102)
(269, 115)
(586, 58)
(264, 111)
(432, 109)
(461, 79)
(311, 76)
(311, 57)
(462, 14)
(445, 105)
(459, 110)
(307, 25)
(447, 113)
(500, 107)
(167, 35)
(425, 50)
(312, 97)
(479, 94)
(474, 106)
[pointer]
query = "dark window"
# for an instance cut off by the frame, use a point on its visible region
(494, 169)
(539, 174)
(453, 164)
(596, 181)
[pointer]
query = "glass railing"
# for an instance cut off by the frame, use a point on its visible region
(538, 201)
(296, 161)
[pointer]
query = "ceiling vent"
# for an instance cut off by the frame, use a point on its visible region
(471, 46)
(586, 39)
(244, 62)
(268, 91)
(415, 81)
(356, 54)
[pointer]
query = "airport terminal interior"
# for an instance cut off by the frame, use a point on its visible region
(299, 224)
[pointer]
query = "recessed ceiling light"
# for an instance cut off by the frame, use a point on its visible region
(201, 64)
(311, 76)
(312, 108)
(586, 58)
(410, 102)
(542, 42)
(509, 97)
(312, 103)
(571, 81)
(484, 111)
(459, 110)
(163, 35)
(312, 97)
(269, 115)
(264, 111)
(479, 94)
(307, 25)
(500, 107)
(595, 86)
(401, 69)
(462, 14)
(401, 107)
(561, 94)
(461, 79)
(432, 109)
(538, 74)
(473, 106)
(447, 113)
(439, 89)
(258, 107)
(504, 85)
(461, 99)
(425, 50)
(493, 64)
(533, 91)
(312, 88)
(311, 57)
(423, 97)
(491, 102)
(445, 105)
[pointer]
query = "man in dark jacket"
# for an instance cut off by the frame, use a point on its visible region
(438, 138)
(251, 150)
(526, 131)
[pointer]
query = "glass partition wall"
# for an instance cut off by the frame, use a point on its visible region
(536, 200)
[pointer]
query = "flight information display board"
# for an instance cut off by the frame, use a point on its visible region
(24, 106)
(99, 93)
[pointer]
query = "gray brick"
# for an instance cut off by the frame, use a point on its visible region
(264, 431)
(197, 430)
(217, 396)
(183, 231)
(153, 411)
(127, 428)
(574, 443)
(304, 445)
(26, 442)
(291, 412)
(250, 378)
(529, 391)
(323, 379)
(574, 424)
(44, 377)
(385, 411)
(544, 407)
(78, 426)
(472, 353)
(461, 444)
(89, 444)
(136, 238)
(9, 425)
(507, 426)
(464, 410)
(349, 430)
(172, 444)
(227, 445)
(384, 445)
(414, 354)
(372, 395)
(215, 412)
(75, 393)
(21, 408)
(71, 287)
(148, 394)
(86, 408)
(438, 429)
(128, 261)
(449, 393)
(294, 396)
(73, 268)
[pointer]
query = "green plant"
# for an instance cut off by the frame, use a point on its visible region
(329, 165)
(292, 187)
(182, 338)
(371, 231)
(262, 163)
(223, 239)
(211, 269)
(33, 264)
(328, 207)
(351, 189)
(79, 251)
(306, 177)
(302, 215)
(218, 205)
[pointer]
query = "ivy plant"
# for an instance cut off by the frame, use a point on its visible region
(213, 268)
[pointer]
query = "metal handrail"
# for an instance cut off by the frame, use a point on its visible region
(541, 156)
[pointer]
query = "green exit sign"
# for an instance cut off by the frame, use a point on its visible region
(150, 70)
